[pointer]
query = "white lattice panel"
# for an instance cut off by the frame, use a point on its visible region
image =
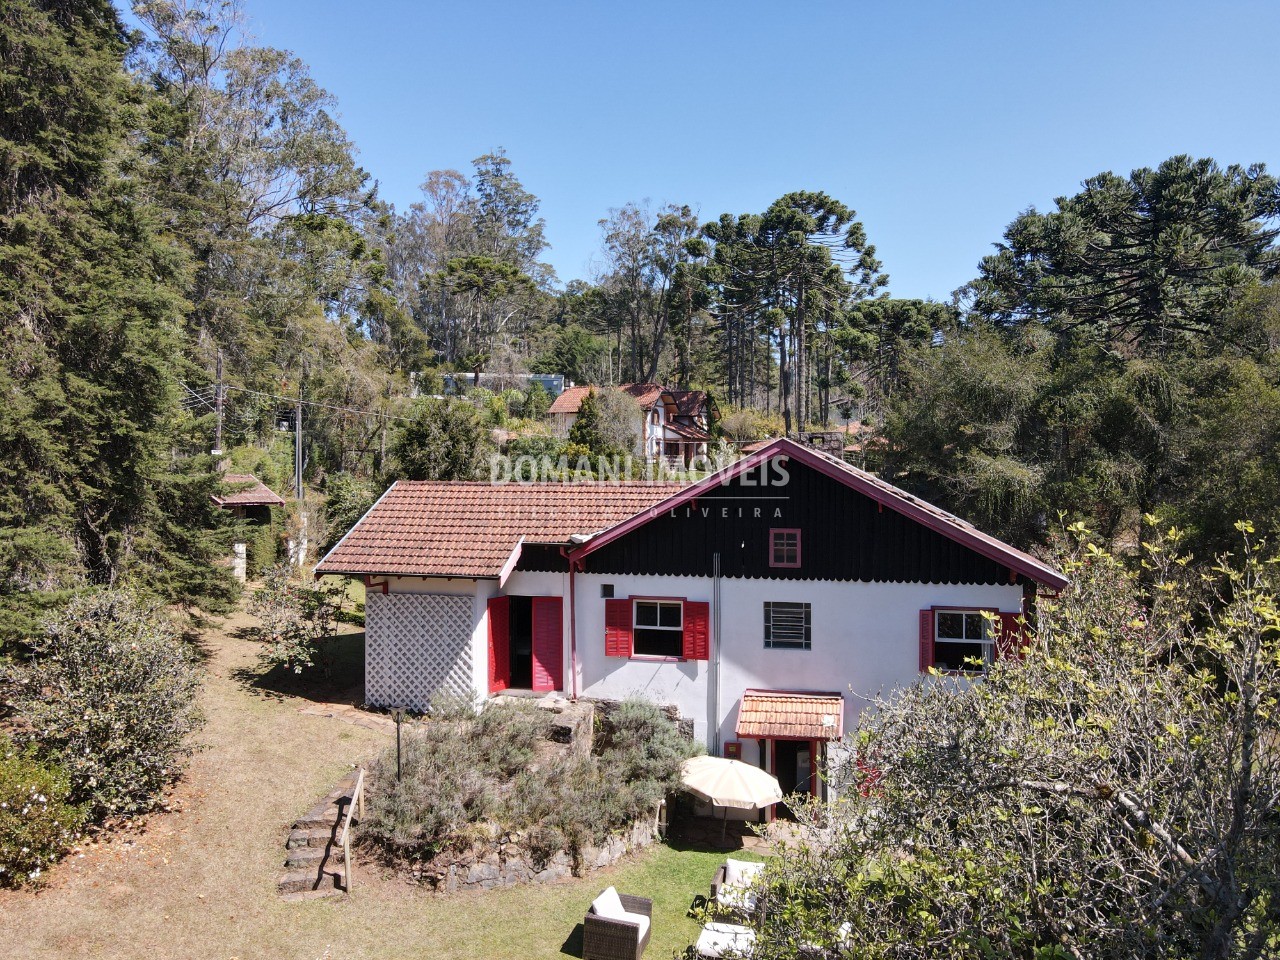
(416, 645)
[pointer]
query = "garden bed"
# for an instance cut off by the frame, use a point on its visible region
(495, 798)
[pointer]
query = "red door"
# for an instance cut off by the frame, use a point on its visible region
(499, 644)
(548, 644)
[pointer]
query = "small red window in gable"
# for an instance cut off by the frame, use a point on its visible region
(784, 548)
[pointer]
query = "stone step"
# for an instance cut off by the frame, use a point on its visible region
(322, 816)
(310, 837)
(302, 880)
(312, 857)
(323, 893)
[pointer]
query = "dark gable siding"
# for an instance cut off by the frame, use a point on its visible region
(543, 558)
(844, 536)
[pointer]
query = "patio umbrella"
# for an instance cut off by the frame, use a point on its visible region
(729, 783)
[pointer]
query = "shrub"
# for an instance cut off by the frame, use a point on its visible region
(465, 774)
(37, 824)
(346, 499)
(295, 620)
(109, 694)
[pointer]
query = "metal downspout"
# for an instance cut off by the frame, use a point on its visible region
(715, 655)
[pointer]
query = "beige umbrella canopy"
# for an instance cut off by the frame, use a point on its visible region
(730, 783)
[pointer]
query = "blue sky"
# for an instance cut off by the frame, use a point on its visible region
(937, 121)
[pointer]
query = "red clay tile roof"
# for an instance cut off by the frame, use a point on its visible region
(255, 492)
(569, 401)
(645, 394)
(469, 529)
(686, 430)
(779, 713)
(689, 403)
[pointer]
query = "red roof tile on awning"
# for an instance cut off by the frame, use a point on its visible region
(782, 714)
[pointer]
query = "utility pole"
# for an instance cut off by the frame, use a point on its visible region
(297, 446)
(217, 406)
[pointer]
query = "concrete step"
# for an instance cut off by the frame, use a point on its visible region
(310, 837)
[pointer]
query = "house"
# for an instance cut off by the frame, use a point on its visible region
(673, 425)
(760, 601)
(457, 384)
(249, 499)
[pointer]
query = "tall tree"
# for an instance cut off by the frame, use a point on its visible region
(96, 484)
(1139, 263)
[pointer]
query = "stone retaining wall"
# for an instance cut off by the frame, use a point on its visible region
(506, 862)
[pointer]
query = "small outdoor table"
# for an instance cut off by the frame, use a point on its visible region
(720, 939)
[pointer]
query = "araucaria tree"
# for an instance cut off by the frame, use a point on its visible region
(785, 280)
(1110, 794)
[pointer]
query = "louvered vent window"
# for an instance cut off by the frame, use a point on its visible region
(787, 626)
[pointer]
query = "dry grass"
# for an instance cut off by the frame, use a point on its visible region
(200, 881)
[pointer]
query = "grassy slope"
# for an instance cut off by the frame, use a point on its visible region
(201, 882)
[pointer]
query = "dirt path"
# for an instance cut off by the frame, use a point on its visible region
(198, 883)
(204, 873)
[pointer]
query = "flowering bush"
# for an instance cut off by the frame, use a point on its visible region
(37, 824)
(108, 693)
(296, 620)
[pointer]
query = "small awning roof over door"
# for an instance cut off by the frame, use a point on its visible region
(791, 715)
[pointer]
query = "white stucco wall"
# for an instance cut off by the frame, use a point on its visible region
(865, 639)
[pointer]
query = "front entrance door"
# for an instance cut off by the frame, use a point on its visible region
(526, 648)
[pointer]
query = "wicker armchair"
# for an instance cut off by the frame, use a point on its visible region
(605, 938)
(730, 899)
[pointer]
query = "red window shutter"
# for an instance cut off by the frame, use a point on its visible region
(926, 640)
(499, 644)
(697, 630)
(548, 644)
(1012, 637)
(617, 628)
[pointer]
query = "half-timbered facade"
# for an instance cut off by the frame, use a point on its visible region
(760, 601)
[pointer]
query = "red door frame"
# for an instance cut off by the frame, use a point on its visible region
(814, 746)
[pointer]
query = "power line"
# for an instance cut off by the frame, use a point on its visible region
(293, 401)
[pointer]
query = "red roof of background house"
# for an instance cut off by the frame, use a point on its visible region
(689, 403)
(470, 529)
(255, 492)
(645, 394)
(686, 430)
(782, 713)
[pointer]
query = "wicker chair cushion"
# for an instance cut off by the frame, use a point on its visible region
(640, 920)
(738, 873)
(609, 905)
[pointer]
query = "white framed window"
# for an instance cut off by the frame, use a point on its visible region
(962, 641)
(658, 628)
(788, 626)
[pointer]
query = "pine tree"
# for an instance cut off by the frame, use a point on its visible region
(91, 487)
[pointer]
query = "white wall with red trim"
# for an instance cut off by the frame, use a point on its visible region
(864, 639)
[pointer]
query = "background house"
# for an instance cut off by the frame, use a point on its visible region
(673, 424)
(760, 601)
